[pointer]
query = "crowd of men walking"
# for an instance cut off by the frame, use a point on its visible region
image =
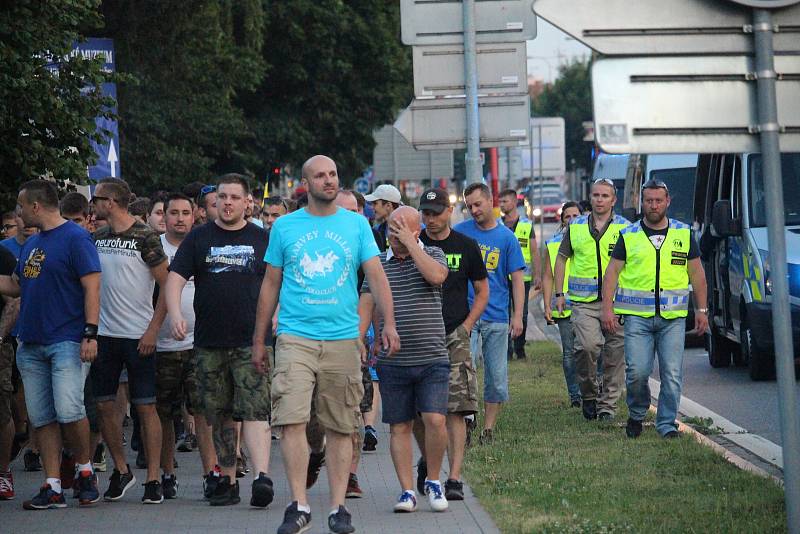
(292, 319)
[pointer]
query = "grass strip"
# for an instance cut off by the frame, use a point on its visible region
(549, 470)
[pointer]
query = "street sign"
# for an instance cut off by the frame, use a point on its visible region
(688, 104)
(676, 27)
(439, 69)
(424, 22)
(437, 123)
(547, 148)
(393, 159)
(361, 185)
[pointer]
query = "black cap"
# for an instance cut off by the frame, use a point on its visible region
(435, 200)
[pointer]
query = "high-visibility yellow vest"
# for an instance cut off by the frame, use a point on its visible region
(589, 257)
(655, 279)
(552, 249)
(523, 233)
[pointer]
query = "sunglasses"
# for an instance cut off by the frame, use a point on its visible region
(655, 184)
(606, 181)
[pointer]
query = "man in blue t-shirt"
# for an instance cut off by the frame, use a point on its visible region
(313, 260)
(503, 257)
(58, 277)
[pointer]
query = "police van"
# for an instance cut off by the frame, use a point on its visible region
(731, 209)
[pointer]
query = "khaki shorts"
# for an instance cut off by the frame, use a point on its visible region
(176, 383)
(327, 371)
(229, 386)
(6, 384)
(463, 398)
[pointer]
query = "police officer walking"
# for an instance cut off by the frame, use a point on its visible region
(651, 268)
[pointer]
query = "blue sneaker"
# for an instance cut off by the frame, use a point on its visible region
(87, 488)
(407, 503)
(46, 498)
(436, 498)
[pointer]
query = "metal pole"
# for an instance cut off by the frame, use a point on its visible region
(541, 189)
(781, 314)
(473, 157)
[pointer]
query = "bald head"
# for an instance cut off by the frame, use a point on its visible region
(409, 215)
(311, 163)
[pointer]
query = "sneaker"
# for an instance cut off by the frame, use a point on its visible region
(453, 490)
(152, 492)
(225, 494)
(471, 426)
(210, 484)
(118, 484)
(353, 489)
(487, 437)
(672, 434)
(32, 461)
(422, 474)
(315, 462)
(86, 484)
(633, 429)
(6, 486)
(99, 459)
(407, 503)
(294, 520)
(241, 466)
(436, 498)
(263, 492)
(188, 443)
(341, 521)
(370, 439)
(141, 459)
(605, 417)
(590, 409)
(575, 403)
(169, 486)
(46, 498)
(20, 440)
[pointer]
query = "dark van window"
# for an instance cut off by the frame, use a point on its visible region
(790, 169)
(681, 191)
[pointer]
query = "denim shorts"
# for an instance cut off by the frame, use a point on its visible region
(492, 339)
(409, 390)
(53, 376)
(112, 355)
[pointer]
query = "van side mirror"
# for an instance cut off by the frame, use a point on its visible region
(722, 223)
(630, 214)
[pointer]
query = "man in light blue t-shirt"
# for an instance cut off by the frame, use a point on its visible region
(313, 259)
(503, 257)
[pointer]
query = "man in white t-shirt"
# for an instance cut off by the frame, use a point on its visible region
(176, 382)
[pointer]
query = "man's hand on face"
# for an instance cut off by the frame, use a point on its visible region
(401, 231)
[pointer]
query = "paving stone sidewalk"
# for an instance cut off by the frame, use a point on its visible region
(189, 513)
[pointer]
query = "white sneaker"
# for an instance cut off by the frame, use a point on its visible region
(435, 495)
(406, 503)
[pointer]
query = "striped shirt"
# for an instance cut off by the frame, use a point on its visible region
(417, 312)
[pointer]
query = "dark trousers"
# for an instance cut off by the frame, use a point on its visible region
(517, 345)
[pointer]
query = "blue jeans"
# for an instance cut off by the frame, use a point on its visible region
(568, 358)
(493, 338)
(644, 339)
(54, 378)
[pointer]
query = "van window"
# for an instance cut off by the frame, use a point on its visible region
(681, 191)
(790, 168)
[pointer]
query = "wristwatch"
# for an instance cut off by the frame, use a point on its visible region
(559, 295)
(702, 310)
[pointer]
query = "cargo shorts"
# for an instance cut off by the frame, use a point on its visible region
(6, 383)
(229, 387)
(463, 396)
(327, 371)
(176, 383)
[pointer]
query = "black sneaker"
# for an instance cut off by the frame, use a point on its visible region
(422, 474)
(241, 466)
(209, 484)
(169, 486)
(370, 439)
(575, 403)
(672, 434)
(590, 409)
(453, 490)
(633, 429)
(341, 522)
(152, 493)
(225, 494)
(315, 462)
(32, 461)
(118, 484)
(605, 417)
(263, 491)
(99, 459)
(294, 521)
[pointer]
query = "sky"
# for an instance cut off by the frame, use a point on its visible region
(551, 48)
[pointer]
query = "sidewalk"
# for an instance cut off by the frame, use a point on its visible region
(188, 513)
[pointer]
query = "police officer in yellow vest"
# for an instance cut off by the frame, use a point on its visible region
(523, 230)
(588, 243)
(569, 211)
(647, 282)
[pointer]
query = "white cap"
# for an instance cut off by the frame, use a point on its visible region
(385, 192)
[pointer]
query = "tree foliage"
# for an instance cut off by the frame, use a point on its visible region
(570, 96)
(48, 99)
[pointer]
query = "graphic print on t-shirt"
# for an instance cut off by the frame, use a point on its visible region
(491, 256)
(453, 261)
(320, 262)
(231, 259)
(33, 265)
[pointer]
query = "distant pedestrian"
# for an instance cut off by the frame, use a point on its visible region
(385, 199)
(274, 207)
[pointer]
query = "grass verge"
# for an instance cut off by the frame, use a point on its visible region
(549, 470)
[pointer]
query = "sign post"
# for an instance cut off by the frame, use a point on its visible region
(474, 174)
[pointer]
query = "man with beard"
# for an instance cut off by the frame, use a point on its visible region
(647, 281)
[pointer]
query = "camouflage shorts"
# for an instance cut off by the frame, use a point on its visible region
(463, 397)
(176, 383)
(366, 381)
(230, 387)
(6, 385)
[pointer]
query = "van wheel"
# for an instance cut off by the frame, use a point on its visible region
(759, 362)
(720, 349)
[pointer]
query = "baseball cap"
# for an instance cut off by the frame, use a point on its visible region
(385, 192)
(435, 200)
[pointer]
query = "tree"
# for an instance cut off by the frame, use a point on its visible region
(570, 96)
(48, 99)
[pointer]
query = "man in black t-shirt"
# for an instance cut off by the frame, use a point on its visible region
(225, 257)
(466, 265)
